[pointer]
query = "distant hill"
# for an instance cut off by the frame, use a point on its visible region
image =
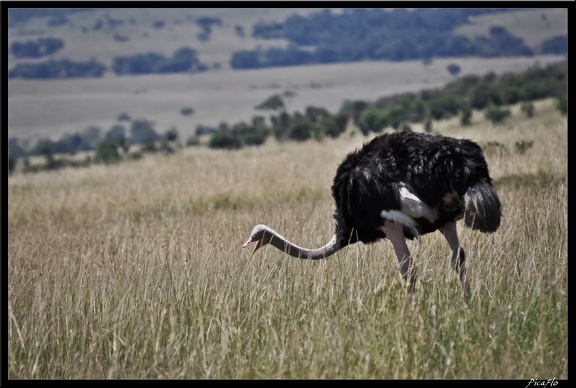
(257, 38)
(184, 60)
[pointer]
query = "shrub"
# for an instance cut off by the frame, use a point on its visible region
(523, 145)
(527, 108)
(36, 49)
(562, 104)
(224, 141)
(453, 69)
(64, 68)
(372, 120)
(444, 106)
(142, 131)
(123, 117)
(186, 111)
(334, 125)
(171, 135)
(107, 152)
(496, 115)
(149, 146)
(300, 131)
(493, 148)
(117, 135)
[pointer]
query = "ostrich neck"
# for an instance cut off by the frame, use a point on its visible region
(303, 253)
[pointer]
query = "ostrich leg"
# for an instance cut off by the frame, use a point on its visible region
(395, 233)
(458, 255)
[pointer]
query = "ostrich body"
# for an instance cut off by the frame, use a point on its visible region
(401, 186)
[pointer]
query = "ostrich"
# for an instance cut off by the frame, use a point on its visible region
(401, 186)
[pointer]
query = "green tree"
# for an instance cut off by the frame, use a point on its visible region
(394, 116)
(117, 135)
(36, 49)
(45, 147)
(142, 130)
(123, 117)
(63, 68)
(186, 111)
(107, 152)
(246, 59)
(16, 147)
(224, 141)
(453, 69)
(171, 135)
(71, 143)
(301, 131)
(444, 106)
(562, 104)
(354, 109)
(249, 135)
(316, 114)
(92, 136)
(273, 103)
(496, 115)
(557, 45)
(334, 125)
(259, 122)
(372, 120)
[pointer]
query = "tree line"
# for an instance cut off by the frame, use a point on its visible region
(490, 93)
(321, 37)
(36, 48)
(377, 34)
(127, 139)
(184, 59)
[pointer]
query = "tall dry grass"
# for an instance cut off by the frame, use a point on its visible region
(136, 271)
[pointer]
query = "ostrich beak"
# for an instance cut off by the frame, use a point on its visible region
(250, 241)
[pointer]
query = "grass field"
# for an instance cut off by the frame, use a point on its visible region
(136, 270)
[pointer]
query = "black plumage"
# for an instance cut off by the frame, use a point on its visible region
(402, 186)
(432, 166)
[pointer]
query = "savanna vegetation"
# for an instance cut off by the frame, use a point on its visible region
(377, 34)
(322, 37)
(136, 270)
(36, 48)
(131, 267)
(489, 93)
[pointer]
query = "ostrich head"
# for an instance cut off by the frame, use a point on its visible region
(261, 235)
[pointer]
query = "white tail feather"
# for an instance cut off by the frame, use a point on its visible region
(398, 216)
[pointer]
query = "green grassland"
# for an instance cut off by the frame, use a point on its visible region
(136, 270)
